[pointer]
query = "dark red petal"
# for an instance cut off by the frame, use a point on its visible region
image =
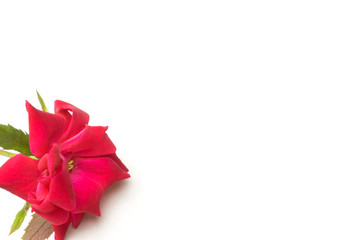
(90, 178)
(91, 142)
(32, 198)
(76, 219)
(53, 160)
(75, 122)
(60, 230)
(119, 162)
(18, 175)
(44, 130)
(57, 217)
(61, 191)
(44, 178)
(44, 206)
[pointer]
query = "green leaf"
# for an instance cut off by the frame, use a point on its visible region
(19, 219)
(38, 229)
(14, 139)
(42, 103)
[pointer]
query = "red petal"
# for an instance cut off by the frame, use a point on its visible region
(102, 170)
(91, 142)
(43, 163)
(57, 217)
(45, 129)
(43, 206)
(61, 191)
(60, 230)
(87, 194)
(76, 219)
(42, 192)
(53, 160)
(90, 178)
(119, 162)
(18, 175)
(75, 122)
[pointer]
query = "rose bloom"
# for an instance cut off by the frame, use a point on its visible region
(77, 162)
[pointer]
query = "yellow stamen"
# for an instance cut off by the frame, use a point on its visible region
(70, 164)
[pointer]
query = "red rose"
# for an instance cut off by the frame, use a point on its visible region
(77, 163)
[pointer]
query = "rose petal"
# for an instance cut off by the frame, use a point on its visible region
(75, 122)
(90, 178)
(87, 194)
(61, 191)
(44, 129)
(44, 206)
(57, 217)
(43, 163)
(119, 162)
(60, 230)
(76, 219)
(41, 191)
(53, 160)
(102, 170)
(91, 142)
(18, 175)
(44, 178)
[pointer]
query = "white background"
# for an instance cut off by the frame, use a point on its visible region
(237, 119)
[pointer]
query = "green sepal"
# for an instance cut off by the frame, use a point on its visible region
(42, 103)
(14, 139)
(19, 219)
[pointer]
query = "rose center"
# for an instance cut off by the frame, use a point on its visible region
(70, 164)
